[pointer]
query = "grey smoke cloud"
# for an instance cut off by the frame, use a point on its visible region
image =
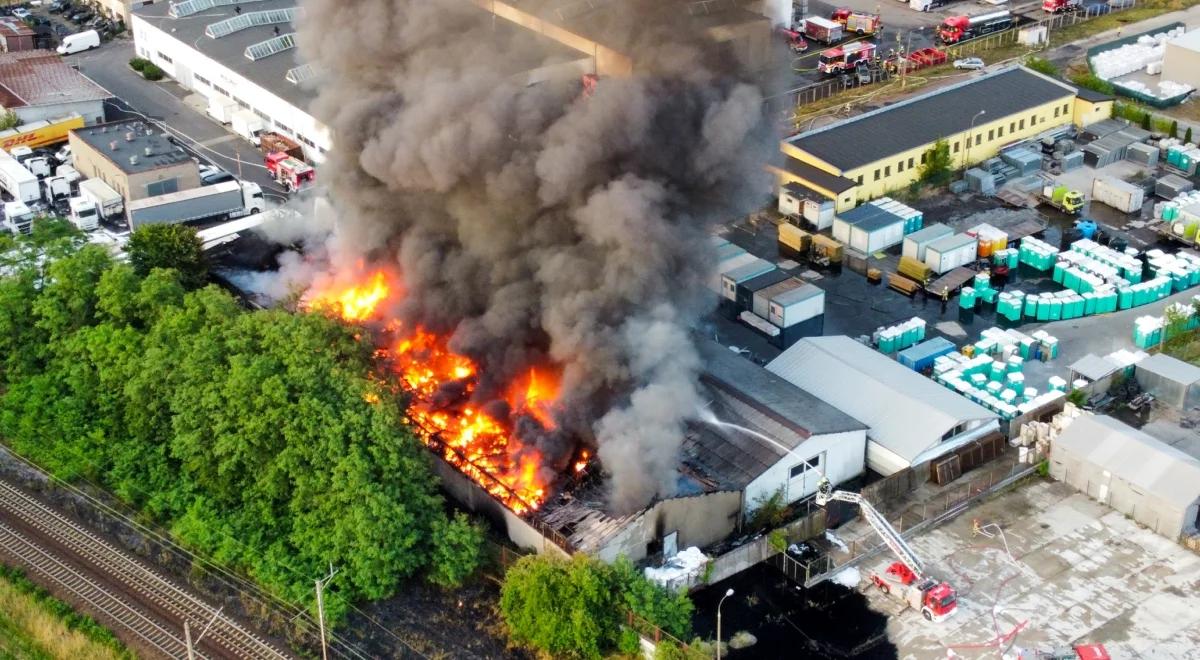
(533, 225)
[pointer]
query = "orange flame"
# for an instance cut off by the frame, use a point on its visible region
(480, 446)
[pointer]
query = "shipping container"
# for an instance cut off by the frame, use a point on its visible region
(794, 238)
(950, 252)
(731, 279)
(915, 243)
(819, 211)
(1120, 195)
(729, 257)
(921, 356)
(796, 305)
(869, 229)
(791, 200)
(747, 289)
(762, 297)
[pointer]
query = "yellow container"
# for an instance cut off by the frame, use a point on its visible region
(794, 237)
(828, 247)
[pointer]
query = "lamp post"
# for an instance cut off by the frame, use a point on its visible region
(967, 152)
(728, 593)
(904, 57)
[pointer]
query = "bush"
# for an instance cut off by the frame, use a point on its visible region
(139, 64)
(1042, 65)
(152, 73)
(938, 163)
(1145, 121)
(1187, 135)
(1093, 82)
(9, 119)
(1174, 129)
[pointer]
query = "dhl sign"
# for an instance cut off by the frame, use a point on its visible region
(41, 133)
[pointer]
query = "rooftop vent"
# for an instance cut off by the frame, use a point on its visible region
(133, 160)
(113, 145)
(271, 46)
(251, 19)
(129, 136)
(104, 129)
(149, 152)
(189, 7)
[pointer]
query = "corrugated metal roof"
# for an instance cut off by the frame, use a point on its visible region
(1093, 367)
(1173, 369)
(950, 242)
(1133, 455)
(818, 177)
(39, 77)
(797, 294)
(924, 119)
(907, 413)
(748, 271)
(930, 233)
(935, 346)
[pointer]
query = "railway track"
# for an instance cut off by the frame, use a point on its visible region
(122, 590)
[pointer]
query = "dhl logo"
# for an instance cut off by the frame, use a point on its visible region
(42, 136)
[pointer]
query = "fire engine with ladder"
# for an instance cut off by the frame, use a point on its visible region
(290, 172)
(904, 580)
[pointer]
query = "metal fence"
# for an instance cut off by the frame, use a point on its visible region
(910, 521)
(824, 89)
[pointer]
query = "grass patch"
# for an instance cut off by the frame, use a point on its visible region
(36, 626)
(1185, 347)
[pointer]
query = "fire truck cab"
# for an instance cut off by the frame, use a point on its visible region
(956, 29)
(846, 57)
(857, 22)
(936, 601)
(1058, 6)
(289, 172)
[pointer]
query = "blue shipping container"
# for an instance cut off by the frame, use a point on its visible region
(921, 356)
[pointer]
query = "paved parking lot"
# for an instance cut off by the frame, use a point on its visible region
(1074, 572)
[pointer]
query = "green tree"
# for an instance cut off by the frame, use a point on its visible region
(9, 120)
(1174, 128)
(937, 165)
(1145, 121)
(1042, 65)
(455, 554)
(169, 246)
(1187, 135)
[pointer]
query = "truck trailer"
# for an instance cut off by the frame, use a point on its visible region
(823, 30)
(109, 203)
(1120, 195)
(957, 29)
(18, 181)
(231, 199)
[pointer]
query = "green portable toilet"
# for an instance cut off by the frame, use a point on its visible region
(1055, 309)
(1125, 297)
(1031, 305)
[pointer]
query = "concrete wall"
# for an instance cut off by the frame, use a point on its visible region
(91, 111)
(700, 520)
(205, 76)
(1114, 491)
(1181, 65)
(844, 459)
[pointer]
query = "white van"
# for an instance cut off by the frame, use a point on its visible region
(77, 43)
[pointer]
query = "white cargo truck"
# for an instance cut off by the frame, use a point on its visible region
(248, 125)
(231, 199)
(109, 202)
(1121, 195)
(84, 214)
(55, 188)
(18, 218)
(221, 109)
(69, 173)
(18, 181)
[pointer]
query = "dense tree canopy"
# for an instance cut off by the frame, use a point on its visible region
(249, 434)
(576, 608)
(169, 246)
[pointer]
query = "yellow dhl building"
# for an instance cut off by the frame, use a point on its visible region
(40, 133)
(867, 156)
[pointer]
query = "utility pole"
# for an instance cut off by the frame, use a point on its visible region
(321, 608)
(187, 634)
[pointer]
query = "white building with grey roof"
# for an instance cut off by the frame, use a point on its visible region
(911, 419)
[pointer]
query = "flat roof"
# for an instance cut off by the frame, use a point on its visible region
(1094, 367)
(1189, 40)
(817, 176)
(1170, 368)
(950, 242)
(102, 137)
(40, 77)
(929, 233)
(1091, 95)
(797, 294)
(270, 72)
(924, 119)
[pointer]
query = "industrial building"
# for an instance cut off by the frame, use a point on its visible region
(1130, 471)
(1181, 59)
(865, 157)
(120, 9)
(38, 85)
(15, 35)
(1171, 380)
(134, 159)
(911, 419)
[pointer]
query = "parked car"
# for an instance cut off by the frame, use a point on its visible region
(57, 7)
(61, 30)
(213, 178)
(80, 17)
(969, 63)
(21, 12)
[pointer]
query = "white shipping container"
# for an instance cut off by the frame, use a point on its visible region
(730, 279)
(841, 230)
(761, 302)
(796, 305)
(874, 235)
(916, 242)
(819, 213)
(731, 261)
(1120, 195)
(790, 204)
(950, 252)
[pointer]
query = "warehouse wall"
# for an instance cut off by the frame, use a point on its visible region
(91, 111)
(700, 520)
(1181, 64)
(844, 458)
(1087, 113)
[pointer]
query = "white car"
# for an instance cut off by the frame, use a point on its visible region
(21, 12)
(969, 63)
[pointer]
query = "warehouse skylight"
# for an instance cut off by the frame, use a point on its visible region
(249, 20)
(271, 46)
(301, 73)
(189, 7)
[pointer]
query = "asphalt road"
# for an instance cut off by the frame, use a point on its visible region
(163, 104)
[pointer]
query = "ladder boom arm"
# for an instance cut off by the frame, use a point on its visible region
(894, 541)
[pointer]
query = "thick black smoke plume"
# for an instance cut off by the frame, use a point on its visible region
(532, 222)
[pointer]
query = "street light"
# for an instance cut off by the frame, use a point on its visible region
(967, 152)
(728, 593)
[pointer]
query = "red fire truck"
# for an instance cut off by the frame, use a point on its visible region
(957, 29)
(846, 57)
(289, 172)
(1059, 6)
(857, 22)
(795, 40)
